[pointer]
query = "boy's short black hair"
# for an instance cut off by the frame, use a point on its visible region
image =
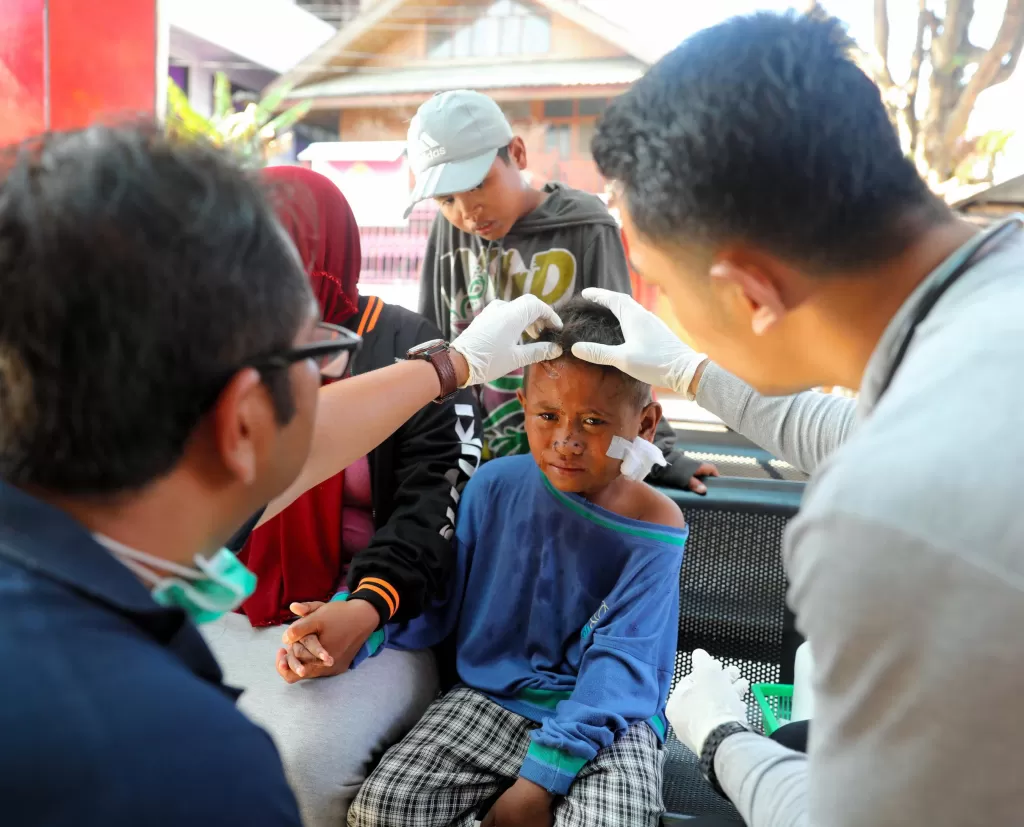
(503, 153)
(586, 321)
(763, 129)
(137, 275)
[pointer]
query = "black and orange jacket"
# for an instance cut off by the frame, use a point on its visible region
(416, 476)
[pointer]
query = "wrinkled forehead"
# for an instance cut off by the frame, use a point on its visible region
(571, 380)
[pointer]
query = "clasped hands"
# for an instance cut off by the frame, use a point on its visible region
(325, 638)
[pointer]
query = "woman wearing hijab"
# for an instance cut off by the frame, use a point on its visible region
(373, 539)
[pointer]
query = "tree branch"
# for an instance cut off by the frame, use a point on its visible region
(1007, 69)
(954, 25)
(924, 19)
(882, 38)
(1008, 42)
(969, 53)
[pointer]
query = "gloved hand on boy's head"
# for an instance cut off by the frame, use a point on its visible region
(651, 352)
(485, 344)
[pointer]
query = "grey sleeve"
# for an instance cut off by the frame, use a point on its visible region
(766, 781)
(802, 429)
(604, 262)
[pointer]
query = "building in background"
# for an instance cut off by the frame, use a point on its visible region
(252, 41)
(552, 65)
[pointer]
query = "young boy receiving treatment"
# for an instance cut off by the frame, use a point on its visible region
(565, 609)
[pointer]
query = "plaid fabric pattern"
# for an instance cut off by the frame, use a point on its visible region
(467, 750)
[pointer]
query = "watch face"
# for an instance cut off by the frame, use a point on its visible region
(428, 348)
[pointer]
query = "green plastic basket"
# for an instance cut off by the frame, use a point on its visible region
(776, 703)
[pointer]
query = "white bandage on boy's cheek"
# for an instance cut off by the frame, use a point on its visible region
(638, 457)
(618, 448)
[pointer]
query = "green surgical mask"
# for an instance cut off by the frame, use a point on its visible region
(215, 586)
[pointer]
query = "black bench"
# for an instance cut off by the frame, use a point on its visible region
(732, 603)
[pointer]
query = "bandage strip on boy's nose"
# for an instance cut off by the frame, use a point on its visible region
(638, 457)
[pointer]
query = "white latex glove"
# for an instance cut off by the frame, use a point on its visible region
(651, 353)
(706, 698)
(491, 343)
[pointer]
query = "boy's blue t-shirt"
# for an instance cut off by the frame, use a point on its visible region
(565, 613)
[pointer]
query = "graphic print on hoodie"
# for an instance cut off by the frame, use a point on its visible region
(567, 243)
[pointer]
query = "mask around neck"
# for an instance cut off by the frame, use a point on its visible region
(216, 586)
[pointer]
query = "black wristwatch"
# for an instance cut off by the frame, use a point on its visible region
(711, 745)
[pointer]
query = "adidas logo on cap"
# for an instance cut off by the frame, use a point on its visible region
(430, 149)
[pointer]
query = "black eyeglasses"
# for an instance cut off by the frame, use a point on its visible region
(331, 348)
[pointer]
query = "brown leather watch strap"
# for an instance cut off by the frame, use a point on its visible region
(442, 362)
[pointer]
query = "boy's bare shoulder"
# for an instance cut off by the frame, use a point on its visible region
(654, 507)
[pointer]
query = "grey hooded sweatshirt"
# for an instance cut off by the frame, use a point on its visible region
(567, 243)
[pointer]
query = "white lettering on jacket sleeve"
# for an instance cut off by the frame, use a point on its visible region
(470, 449)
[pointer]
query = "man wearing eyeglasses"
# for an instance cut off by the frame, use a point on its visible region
(160, 363)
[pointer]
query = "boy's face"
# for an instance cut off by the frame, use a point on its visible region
(573, 410)
(491, 209)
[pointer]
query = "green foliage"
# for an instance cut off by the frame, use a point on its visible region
(978, 156)
(254, 134)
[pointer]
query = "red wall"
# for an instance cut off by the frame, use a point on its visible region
(21, 69)
(101, 63)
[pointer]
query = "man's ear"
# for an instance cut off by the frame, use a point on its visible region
(517, 152)
(762, 296)
(649, 419)
(243, 420)
(521, 397)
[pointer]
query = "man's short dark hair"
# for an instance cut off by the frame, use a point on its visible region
(763, 129)
(586, 321)
(137, 275)
(503, 153)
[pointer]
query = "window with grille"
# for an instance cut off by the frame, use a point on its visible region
(558, 139)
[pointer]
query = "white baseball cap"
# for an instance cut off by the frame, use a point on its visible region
(453, 141)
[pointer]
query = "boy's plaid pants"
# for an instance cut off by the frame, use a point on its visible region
(467, 749)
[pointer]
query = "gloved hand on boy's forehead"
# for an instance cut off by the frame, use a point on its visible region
(492, 345)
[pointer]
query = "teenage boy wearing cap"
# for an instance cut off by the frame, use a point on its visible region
(496, 237)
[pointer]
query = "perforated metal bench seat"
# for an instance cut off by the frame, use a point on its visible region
(733, 604)
(685, 791)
